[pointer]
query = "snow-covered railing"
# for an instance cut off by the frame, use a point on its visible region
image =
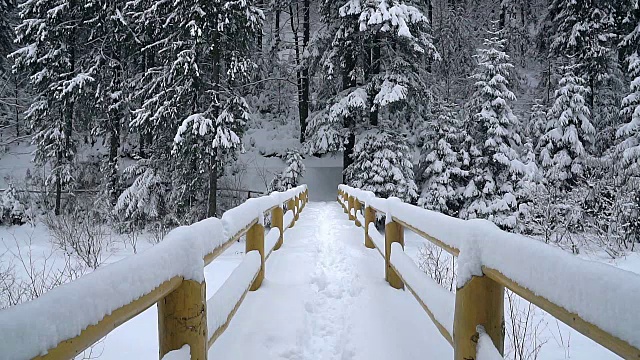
(68, 319)
(591, 297)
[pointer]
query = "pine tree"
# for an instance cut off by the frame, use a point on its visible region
(494, 165)
(382, 164)
(51, 35)
(569, 133)
(441, 172)
(290, 177)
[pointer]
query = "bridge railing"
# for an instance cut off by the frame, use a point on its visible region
(70, 318)
(596, 299)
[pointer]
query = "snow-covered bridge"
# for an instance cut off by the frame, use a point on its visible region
(325, 283)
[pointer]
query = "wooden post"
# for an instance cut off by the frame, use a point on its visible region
(182, 319)
(277, 222)
(393, 232)
(357, 206)
(350, 207)
(479, 302)
(297, 213)
(291, 205)
(255, 241)
(369, 217)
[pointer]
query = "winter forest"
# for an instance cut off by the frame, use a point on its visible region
(132, 117)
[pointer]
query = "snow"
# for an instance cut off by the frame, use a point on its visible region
(271, 239)
(324, 297)
(222, 303)
(578, 285)
(437, 299)
(287, 219)
(184, 353)
(376, 237)
(486, 350)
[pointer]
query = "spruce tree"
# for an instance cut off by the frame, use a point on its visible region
(442, 168)
(495, 163)
(382, 164)
(569, 133)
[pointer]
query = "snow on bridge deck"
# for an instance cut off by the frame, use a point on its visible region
(325, 297)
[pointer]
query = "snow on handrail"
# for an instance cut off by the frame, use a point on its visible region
(486, 350)
(122, 290)
(225, 302)
(437, 301)
(591, 297)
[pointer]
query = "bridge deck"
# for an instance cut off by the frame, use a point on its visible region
(324, 297)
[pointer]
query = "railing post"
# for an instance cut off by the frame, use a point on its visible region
(393, 232)
(357, 206)
(479, 302)
(182, 319)
(369, 217)
(350, 207)
(255, 241)
(297, 213)
(291, 205)
(277, 222)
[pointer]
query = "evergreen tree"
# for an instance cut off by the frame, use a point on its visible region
(382, 164)
(441, 172)
(290, 177)
(569, 133)
(494, 165)
(51, 34)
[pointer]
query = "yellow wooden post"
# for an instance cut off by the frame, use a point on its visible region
(350, 207)
(479, 302)
(277, 222)
(182, 320)
(291, 205)
(357, 206)
(369, 217)
(393, 232)
(255, 241)
(297, 214)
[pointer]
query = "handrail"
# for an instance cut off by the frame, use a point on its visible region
(170, 274)
(480, 297)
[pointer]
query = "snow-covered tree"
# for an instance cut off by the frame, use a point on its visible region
(537, 123)
(443, 164)
(290, 177)
(569, 132)
(494, 161)
(51, 34)
(382, 164)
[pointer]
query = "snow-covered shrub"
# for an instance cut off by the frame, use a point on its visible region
(13, 211)
(382, 163)
(290, 177)
(438, 264)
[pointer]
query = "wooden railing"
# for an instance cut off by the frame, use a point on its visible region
(67, 320)
(478, 304)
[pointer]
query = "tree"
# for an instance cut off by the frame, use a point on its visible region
(50, 34)
(442, 168)
(290, 177)
(494, 164)
(569, 133)
(382, 164)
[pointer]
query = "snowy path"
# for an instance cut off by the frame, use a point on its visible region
(324, 297)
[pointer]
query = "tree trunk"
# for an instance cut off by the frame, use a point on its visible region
(304, 99)
(348, 81)
(213, 160)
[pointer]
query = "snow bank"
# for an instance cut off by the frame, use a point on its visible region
(599, 293)
(222, 303)
(184, 353)
(485, 349)
(438, 300)
(30, 329)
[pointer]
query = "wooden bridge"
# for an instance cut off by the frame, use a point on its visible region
(171, 275)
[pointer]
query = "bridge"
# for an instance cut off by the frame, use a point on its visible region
(351, 290)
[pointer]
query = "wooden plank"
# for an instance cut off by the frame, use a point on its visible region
(70, 348)
(450, 249)
(616, 345)
(220, 249)
(441, 328)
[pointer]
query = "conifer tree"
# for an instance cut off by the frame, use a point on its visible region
(382, 164)
(569, 132)
(442, 168)
(491, 192)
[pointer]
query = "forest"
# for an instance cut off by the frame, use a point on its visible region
(523, 112)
